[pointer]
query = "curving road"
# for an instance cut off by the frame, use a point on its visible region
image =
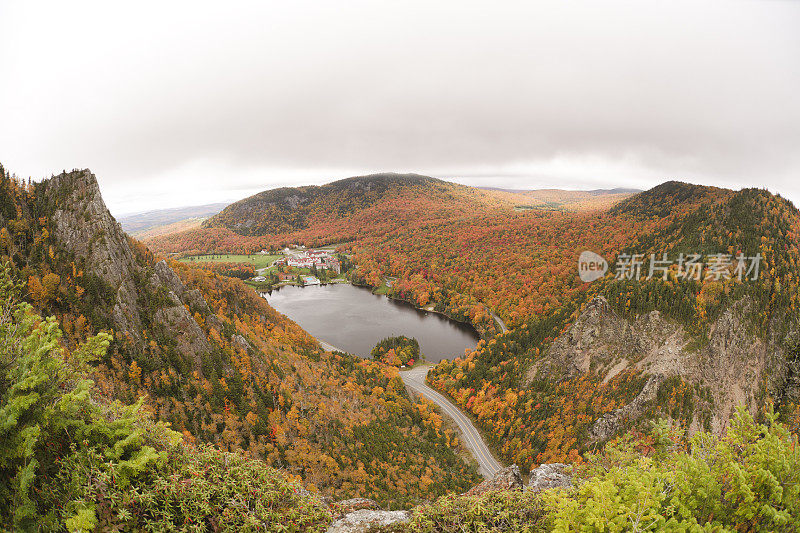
(499, 321)
(415, 379)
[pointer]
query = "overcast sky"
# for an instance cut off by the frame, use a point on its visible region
(174, 103)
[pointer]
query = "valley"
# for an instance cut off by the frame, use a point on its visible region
(399, 267)
(481, 260)
(215, 360)
(534, 366)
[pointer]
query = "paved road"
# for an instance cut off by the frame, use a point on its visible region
(415, 379)
(499, 321)
(260, 271)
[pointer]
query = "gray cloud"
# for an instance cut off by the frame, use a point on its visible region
(172, 103)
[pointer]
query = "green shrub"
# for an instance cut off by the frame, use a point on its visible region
(202, 489)
(747, 480)
(493, 511)
(47, 412)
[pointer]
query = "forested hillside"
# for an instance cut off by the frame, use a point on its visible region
(684, 348)
(280, 211)
(355, 208)
(213, 359)
(458, 250)
(581, 365)
(73, 461)
(713, 343)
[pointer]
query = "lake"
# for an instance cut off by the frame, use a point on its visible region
(354, 320)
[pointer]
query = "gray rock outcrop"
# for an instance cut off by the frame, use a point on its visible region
(241, 342)
(734, 366)
(84, 227)
(549, 476)
(607, 425)
(167, 277)
(364, 520)
(356, 504)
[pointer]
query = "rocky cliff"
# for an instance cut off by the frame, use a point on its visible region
(85, 228)
(731, 366)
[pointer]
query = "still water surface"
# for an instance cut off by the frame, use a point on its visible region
(354, 320)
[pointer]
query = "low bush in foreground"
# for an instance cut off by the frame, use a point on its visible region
(747, 480)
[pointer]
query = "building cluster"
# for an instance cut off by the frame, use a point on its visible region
(319, 259)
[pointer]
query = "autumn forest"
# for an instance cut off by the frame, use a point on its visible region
(204, 353)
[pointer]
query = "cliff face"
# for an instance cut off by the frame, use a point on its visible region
(84, 227)
(731, 367)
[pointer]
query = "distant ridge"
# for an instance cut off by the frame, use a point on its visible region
(616, 190)
(147, 220)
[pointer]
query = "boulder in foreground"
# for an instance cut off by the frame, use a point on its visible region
(549, 476)
(508, 478)
(365, 519)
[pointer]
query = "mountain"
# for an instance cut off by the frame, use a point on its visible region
(213, 359)
(337, 212)
(288, 209)
(246, 391)
(137, 224)
(688, 349)
(124, 285)
(662, 200)
(620, 353)
(350, 209)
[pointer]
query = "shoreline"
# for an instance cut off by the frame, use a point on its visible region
(479, 332)
(330, 347)
(393, 298)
